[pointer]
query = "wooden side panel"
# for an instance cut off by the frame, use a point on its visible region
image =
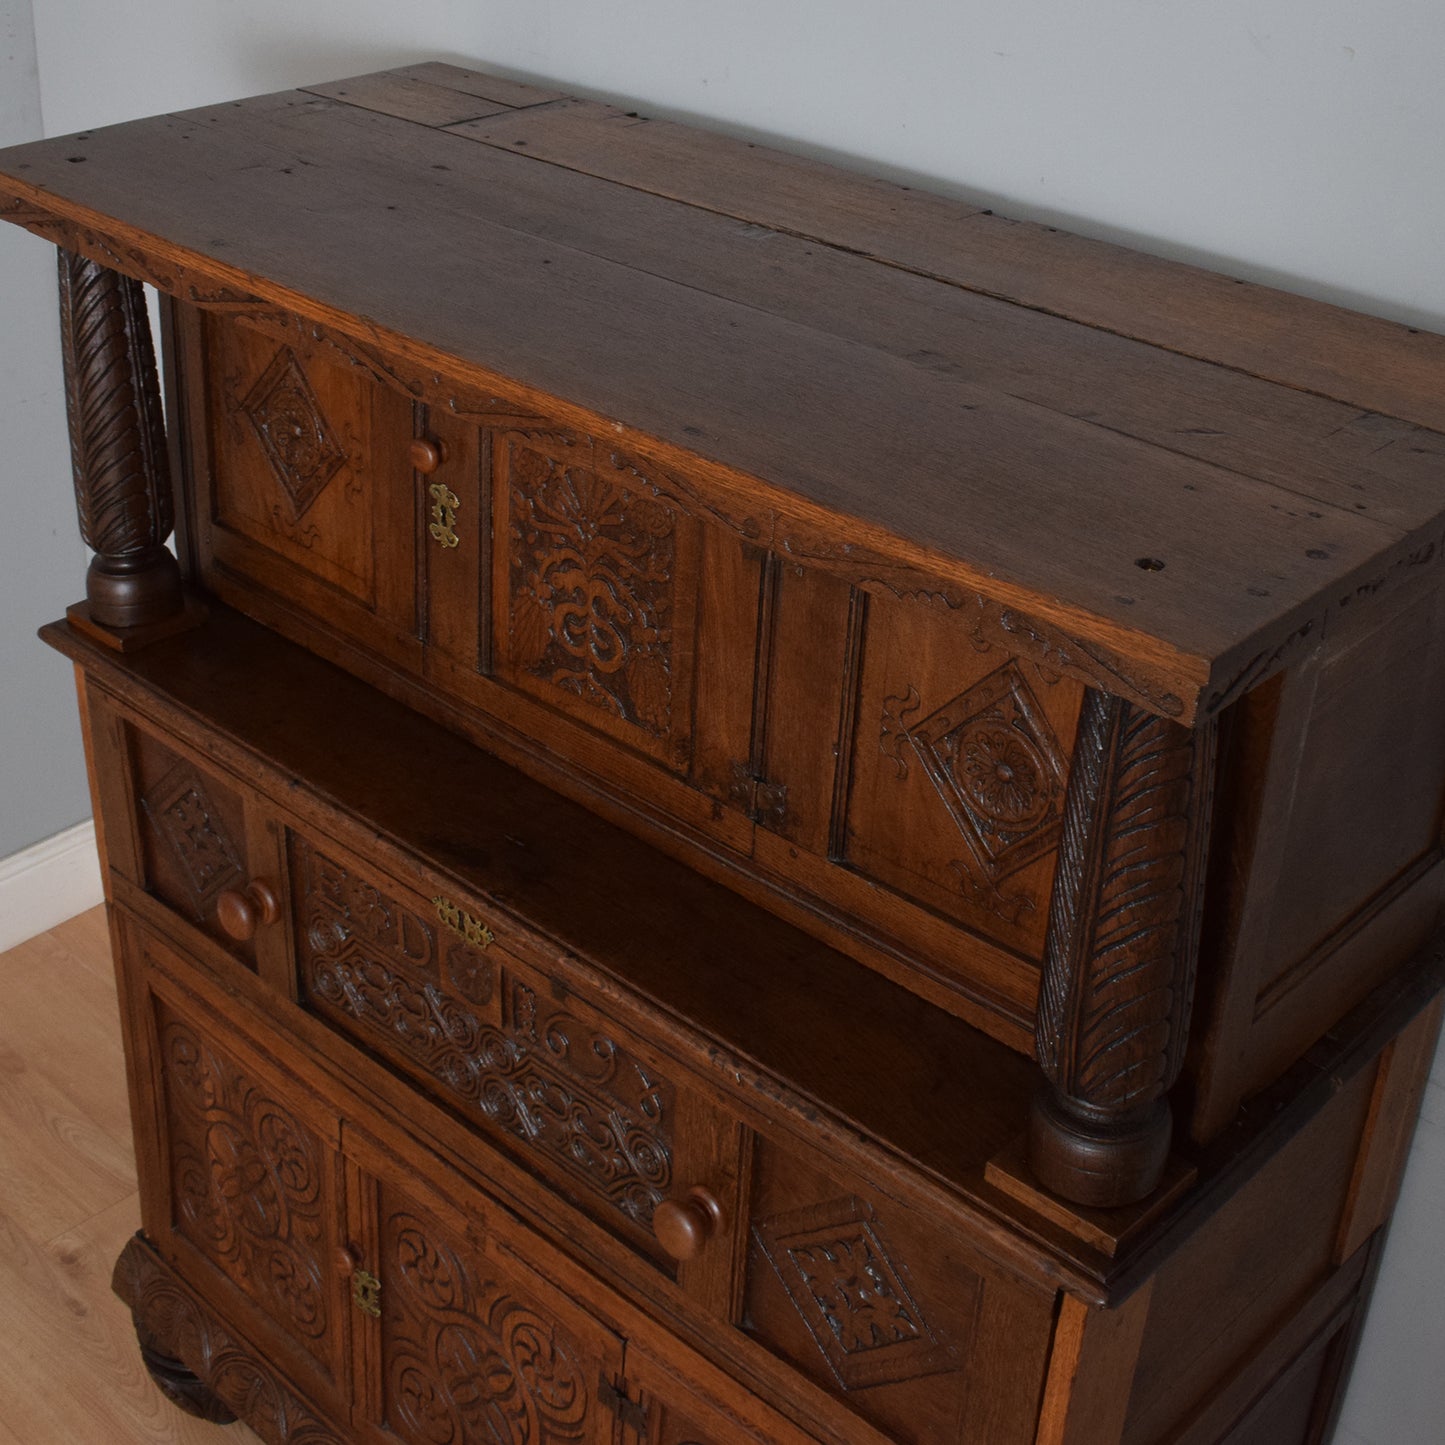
(1219, 1303)
(1328, 868)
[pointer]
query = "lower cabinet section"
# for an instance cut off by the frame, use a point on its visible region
(327, 1288)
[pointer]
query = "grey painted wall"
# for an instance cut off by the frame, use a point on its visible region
(42, 562)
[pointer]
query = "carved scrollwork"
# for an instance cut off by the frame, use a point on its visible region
(559, 1085)
(466, 1360)
(592, 581)
(1118, 980)
(246, 1180)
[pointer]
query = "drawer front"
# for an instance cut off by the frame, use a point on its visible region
(886, 1310)
(187, 833)
(454, 1000)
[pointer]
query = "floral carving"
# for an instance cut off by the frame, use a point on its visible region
(994, 762)
(835, 1266)
(465, 1360)
(557, 1084)
(592, 568)
(184, 816)
(247, 1183)
(295, 436)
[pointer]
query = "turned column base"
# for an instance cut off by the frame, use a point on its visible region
(1090, 1157)
(134, 590)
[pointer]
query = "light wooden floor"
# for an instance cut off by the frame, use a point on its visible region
(69, 1370)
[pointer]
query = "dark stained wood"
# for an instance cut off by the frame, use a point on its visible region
(731, 659)
(1251, 328)
(1118, 984)
(984, 441)
(117, 447)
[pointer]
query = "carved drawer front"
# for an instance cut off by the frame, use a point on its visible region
(438, 989)
(309, 490)
(194, 845)
(887, 1311)
(246, 1193)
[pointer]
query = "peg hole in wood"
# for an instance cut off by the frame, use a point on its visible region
(1149, 564)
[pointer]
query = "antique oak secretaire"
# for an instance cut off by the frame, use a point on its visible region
(763, 807)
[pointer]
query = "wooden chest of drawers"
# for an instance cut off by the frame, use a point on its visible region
(763, 808)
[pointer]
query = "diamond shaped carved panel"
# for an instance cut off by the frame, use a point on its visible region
(836, 1268)
(299, 443)
(994, 762)
(190, 825)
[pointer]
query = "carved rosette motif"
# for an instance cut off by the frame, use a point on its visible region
(169, 1317)
(117, 445)
(835, 1265)
(183, 815)
(467, 1361)
(246, 1180)
(559, 1085)
(592, 583)
(1118, 981)
(298, 441)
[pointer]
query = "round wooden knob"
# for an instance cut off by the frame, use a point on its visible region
(241, 913)
(426, 455)
(683, 1226)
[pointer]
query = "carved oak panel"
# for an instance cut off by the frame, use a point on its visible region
(470, 1023)
(596, 579)
(192, 830)
(867, 1299)
(251, 1186)
(306, 488)
(477, 1352)
(959, 764)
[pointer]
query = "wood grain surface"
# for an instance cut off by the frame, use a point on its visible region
(1053, 417)
(69, 1367)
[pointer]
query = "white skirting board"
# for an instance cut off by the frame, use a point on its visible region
(47, 883)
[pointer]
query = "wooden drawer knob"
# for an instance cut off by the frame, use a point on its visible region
(683, 1226)
(241, 913)
(426, 455)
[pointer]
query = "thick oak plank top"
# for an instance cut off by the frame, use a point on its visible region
(1182, 477)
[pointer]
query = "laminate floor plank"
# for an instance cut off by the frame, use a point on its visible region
(70, 1372)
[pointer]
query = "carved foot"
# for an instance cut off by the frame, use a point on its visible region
(1094, 1157)
(181, 1386)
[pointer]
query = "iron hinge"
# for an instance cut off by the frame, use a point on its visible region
(612, 1394)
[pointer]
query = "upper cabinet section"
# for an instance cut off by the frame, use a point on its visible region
(1171, 483)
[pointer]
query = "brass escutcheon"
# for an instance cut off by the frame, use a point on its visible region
(472, 930)
(366, 1291)
(444, 514)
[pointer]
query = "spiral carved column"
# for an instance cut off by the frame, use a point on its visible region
(1121, 952)
(117, 446)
